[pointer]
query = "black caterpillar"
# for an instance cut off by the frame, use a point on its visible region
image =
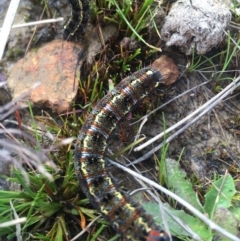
(126, 217)
(78, 19)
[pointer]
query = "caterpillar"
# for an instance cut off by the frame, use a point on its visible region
(78, 19)
(126, 217)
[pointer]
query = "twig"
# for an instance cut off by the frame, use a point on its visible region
(12, 9)
(12, 222)
(164, 209)
(86, 229)
(18, 226)
(22, 25)
(209, 105)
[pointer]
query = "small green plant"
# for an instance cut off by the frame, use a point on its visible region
(128, 14)
(48, 206)
(126, 61)
(235, 7)
(131, 18)
(219, 205)
(219, 64)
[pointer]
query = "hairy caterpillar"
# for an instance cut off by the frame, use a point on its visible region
(126, 217)
(78, 19)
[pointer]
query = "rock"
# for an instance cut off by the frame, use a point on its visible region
(199, 26)
(55, 65)
(167, 68)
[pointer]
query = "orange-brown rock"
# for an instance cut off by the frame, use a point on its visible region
(55, 66)
(167, 68)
